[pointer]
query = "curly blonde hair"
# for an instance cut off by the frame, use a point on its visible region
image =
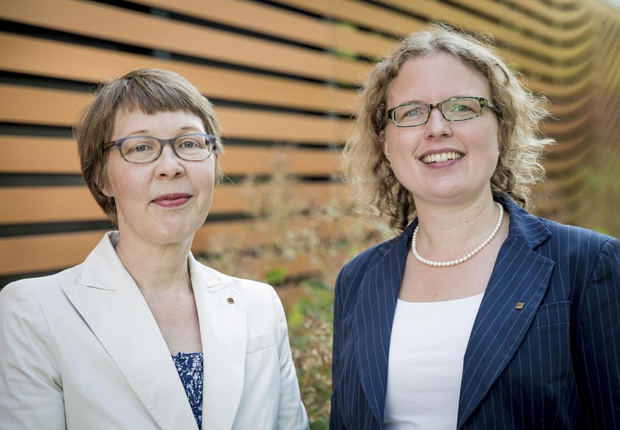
(519, 112)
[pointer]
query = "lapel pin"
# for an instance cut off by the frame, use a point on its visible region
(520, 306)
(230, 301)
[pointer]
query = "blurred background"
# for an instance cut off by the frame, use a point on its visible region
(283, 77)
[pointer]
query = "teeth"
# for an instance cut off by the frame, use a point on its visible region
(444, 156)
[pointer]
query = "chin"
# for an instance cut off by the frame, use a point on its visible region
(176, 234)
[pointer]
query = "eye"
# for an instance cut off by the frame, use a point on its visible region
(194, 142)
(461, 108)
(139, 146)
(413, 112)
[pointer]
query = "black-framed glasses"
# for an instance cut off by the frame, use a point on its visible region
(454, 109)
(145, 149)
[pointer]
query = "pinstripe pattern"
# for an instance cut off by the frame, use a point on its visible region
(555, 364)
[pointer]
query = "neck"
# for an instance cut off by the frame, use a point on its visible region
(157, 269)
(448, 231)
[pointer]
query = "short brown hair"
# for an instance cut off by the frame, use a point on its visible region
(148, 90)
(519, 112)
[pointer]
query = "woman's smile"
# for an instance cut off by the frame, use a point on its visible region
(172, 200)
(440, 158)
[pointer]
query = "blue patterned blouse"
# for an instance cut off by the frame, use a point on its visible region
(189, 367)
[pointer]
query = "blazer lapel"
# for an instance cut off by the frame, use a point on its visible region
(222, 313)
(115, 310)
(374, 315)
(520, 276)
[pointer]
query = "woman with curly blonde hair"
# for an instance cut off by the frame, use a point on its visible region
(478, 315)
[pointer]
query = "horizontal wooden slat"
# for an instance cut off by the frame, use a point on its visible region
(27, 55)
(394, 23)
(573, 107)
(561, 90)
(569, 146)
(570, 181)
(53, 251)
(21, 54)
(508, 16)
(149, 31)
(27, 154)
(40, 253)
(558, 71)
(571, 163)
(281, 23)
(75, 203)
(564, 3)
(558, 127)
(552, 12)
(61, 108)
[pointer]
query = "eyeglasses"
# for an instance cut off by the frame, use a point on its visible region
(145, 149)
(454, 109)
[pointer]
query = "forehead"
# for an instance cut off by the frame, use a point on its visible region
(435, 78)
(159, 124)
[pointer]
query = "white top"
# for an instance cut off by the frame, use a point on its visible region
(425, 367)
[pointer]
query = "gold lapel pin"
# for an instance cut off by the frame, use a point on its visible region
(520, 306)
(230, 301)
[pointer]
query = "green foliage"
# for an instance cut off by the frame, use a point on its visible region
(310, 333)
(324, 237)
(276, 276)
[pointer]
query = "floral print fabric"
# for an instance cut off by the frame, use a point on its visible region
(189, 367)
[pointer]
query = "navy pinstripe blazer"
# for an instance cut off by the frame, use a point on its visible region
(555, 364)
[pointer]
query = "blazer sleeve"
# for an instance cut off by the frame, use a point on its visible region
(31, 395)
(597, 352)
(335, 422)
(292, 414)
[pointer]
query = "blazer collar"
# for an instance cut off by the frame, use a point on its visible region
(519, 275)
(222, 311)
(114, 308)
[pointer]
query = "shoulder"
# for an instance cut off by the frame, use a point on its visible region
(577, 243)
(45, 290)
(30, 308)
(256, 294)
(354, 271)
(581, 256)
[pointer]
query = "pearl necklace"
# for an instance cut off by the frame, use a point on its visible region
(414, 247)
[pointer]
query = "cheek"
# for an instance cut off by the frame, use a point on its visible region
(396, 142)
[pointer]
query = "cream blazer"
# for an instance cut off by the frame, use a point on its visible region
(81, 350)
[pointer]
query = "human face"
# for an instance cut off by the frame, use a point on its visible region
(167, 200)
(475, 142)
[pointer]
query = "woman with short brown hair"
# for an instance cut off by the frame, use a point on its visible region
(141, 335)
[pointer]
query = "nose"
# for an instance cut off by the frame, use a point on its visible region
(168, 165)
(437, 126)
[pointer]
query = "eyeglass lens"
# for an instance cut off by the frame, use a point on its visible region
(459, 109)
(141, 149)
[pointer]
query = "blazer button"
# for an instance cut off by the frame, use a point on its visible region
(231, 301)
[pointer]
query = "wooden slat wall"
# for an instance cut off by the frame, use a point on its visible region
(282, 75)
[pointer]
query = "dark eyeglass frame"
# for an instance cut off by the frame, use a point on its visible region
(483, 103)
(162, 142)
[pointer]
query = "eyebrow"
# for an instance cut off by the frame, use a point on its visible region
(422, 102)
(146, 132)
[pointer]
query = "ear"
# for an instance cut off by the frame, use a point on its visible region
(384, 144)
(103, 186)
(501, 137)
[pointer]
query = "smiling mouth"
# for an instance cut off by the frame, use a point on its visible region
(172, 200)
(441, 157)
